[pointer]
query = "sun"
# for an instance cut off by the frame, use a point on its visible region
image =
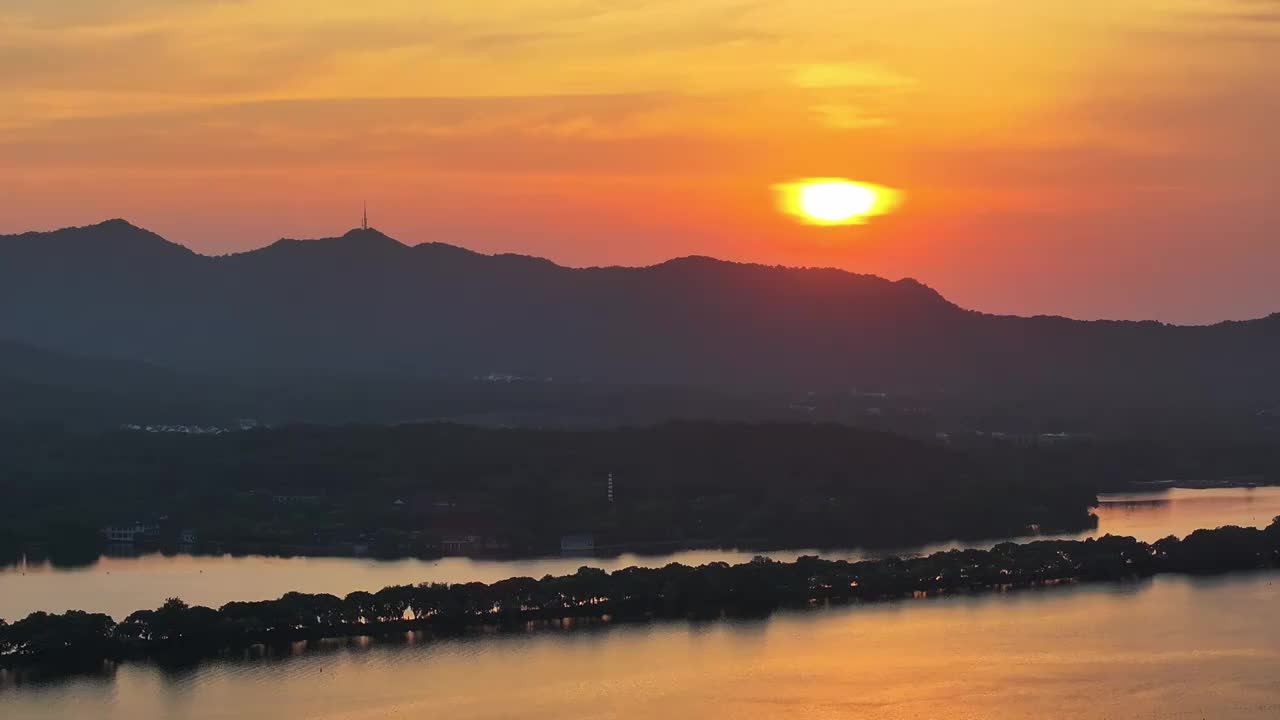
(835, 201)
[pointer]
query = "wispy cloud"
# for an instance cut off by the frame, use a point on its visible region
(849, 75)
(849, 117)
(1226, 23)
(639, 133)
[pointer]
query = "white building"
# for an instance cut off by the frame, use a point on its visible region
(131, 533)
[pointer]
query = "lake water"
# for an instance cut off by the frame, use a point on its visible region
(118, 586)
(1173, 647)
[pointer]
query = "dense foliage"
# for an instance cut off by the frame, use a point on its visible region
(403, 488)
(675, 591)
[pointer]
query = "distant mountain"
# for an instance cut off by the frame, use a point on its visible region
(23, 363)
(44, 386)
(85, 392)
(365, 303)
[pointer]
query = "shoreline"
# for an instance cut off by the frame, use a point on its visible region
(72, 558)
(33, 556)
(40, 554)
(77, 642)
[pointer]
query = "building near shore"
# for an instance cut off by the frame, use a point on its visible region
(132, 533)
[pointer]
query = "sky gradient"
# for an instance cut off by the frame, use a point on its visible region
(1098, 158)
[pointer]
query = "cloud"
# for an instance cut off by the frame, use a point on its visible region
(624, 134)
(70, 57)
(849, 75)
(1226, 22)
(64, 14)
(848, 117)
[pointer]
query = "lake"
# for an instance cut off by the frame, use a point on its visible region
(120, 585)
(1170, 647)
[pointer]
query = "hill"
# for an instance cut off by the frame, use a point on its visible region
(367, 304)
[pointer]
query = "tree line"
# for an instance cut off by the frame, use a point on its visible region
(79, 640)
(779, 485)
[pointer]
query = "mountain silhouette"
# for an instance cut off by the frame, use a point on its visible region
(365, 303)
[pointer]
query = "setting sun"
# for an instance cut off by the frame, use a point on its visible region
(835, 201)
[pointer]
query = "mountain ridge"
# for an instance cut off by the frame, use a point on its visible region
(360, 238)
(365, 302)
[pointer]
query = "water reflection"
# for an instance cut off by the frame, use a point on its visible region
(119, 585)
(1171, 647)
(50, 558)
(1139, 505)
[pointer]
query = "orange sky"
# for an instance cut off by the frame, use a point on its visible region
(1094, 158)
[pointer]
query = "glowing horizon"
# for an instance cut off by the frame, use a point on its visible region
(1070, 159)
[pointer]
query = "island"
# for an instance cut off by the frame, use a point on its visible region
(79, 641)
